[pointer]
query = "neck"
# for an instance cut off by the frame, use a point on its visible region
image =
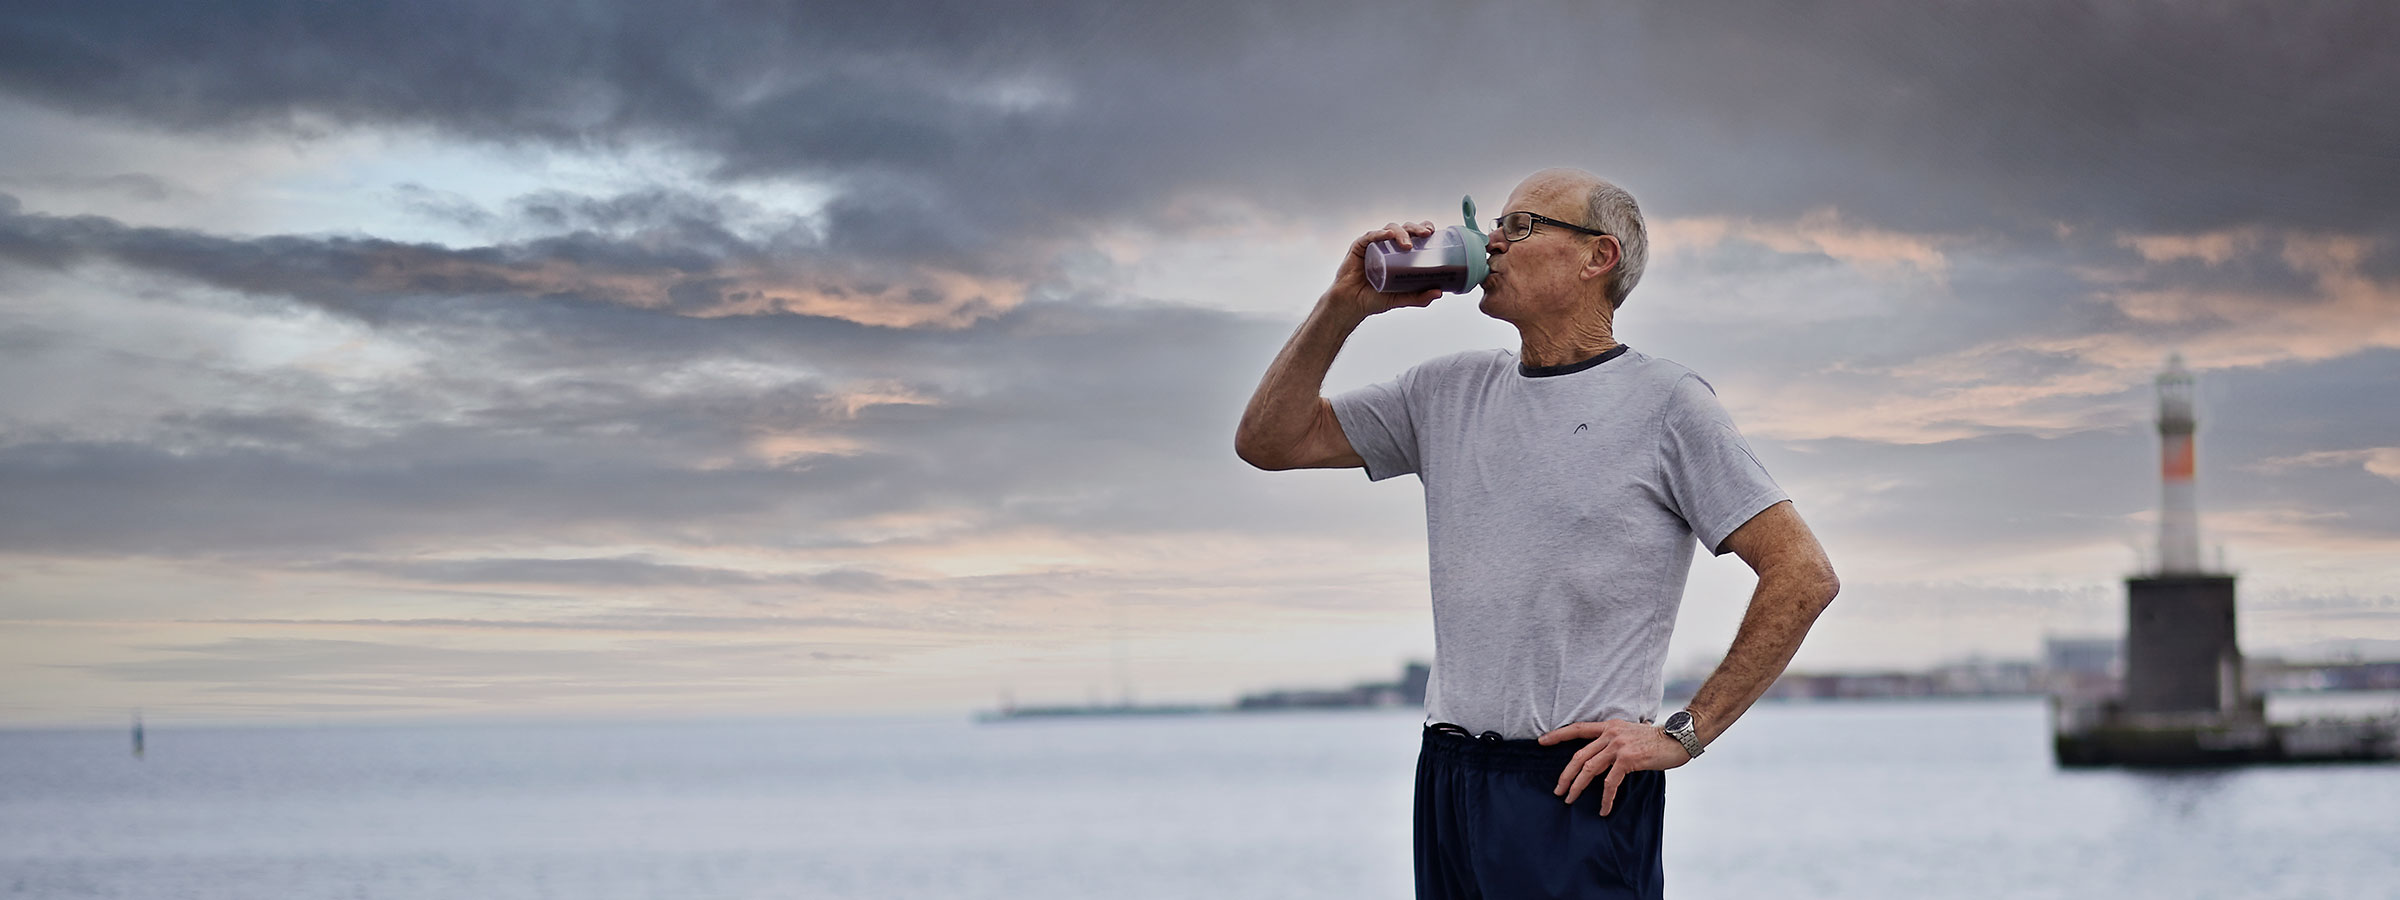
(1562, 343)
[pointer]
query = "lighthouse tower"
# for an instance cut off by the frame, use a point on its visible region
(2178, 513)
(2181, 655)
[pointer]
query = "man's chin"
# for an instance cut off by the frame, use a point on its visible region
(1495, 307)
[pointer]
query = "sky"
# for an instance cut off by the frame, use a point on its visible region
(455, 359)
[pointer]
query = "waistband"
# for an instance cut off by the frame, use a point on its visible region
(1448, 742)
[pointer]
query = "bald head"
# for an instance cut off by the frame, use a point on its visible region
(1606, 207)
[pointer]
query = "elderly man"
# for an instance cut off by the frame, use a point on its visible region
(1564, 484)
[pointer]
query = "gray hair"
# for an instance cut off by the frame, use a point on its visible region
(1610, 209)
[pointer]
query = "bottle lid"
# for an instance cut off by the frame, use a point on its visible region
(1478, 262)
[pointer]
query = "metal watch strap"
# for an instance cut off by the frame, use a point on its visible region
(1683, 732)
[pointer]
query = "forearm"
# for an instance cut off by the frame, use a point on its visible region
(1284, 407)
(1782, 609)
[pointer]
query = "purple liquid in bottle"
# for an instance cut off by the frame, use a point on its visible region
(1409, 281)
(1438, 261)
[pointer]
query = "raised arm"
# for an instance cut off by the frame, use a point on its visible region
(1289, 424)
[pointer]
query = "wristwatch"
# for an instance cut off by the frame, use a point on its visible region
(1679, 727)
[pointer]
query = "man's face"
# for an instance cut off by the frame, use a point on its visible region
(1539, 277)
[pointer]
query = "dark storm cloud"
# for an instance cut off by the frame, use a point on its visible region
(1931, 117)
(672, 216)
(336, 271)
(27, 340)
(659, 250)
(2160, 115)
(128, 184)
(442, 206)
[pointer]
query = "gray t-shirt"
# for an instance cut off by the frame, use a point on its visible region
(1560, 505)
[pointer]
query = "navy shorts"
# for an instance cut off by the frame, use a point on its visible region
(1489, 827)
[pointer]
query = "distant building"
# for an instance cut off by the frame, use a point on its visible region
(2085, 656)
(2089, 669)
(1968, 678)
(2280, 675)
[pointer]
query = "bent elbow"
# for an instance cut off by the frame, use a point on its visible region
(1829, 585)
(1257, 454)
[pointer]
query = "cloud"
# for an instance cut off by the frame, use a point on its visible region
(2214, 248)
(610, 572)
(774, 319)
(688, 264)
(2383, 461)
(273, 671)
(134, 185)
(634, 624)
(2014, 116)
(583, 423)
(1820, 231)
(2043, 338)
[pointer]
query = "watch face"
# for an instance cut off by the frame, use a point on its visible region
(1679, 721)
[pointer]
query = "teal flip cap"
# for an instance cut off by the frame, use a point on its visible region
(1479, 263)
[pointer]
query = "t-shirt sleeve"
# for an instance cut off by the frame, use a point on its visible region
(1712, 479)
(1381, 425)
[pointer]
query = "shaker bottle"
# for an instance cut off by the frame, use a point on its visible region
(1451, 259)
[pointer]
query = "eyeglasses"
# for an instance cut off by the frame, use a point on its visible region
(1517, 226)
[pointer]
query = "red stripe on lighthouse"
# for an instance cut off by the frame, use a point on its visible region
(2177, 466)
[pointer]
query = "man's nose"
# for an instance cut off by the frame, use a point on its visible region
(1494, 243)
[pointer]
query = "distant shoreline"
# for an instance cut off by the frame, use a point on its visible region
(1159, 710)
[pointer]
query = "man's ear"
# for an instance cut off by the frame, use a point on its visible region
(1603, 257)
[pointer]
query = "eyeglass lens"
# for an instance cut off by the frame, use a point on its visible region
(1516, 226)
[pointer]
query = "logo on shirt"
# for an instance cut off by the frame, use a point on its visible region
(1583, 427)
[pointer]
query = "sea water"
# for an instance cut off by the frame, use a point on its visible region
(1834, 800)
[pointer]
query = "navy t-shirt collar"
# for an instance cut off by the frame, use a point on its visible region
(1573, 367)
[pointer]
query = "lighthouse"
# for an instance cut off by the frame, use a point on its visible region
(2182, 702)
(2181, 654)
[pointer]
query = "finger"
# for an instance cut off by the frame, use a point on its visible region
(1566, 776)
(1567, 732)
(1398, 234)
(1608, 787)
(1420, 229)
(1583, 776)
(1574, 764)
(1359, 247)
(1424, 299)
(1591, 769)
